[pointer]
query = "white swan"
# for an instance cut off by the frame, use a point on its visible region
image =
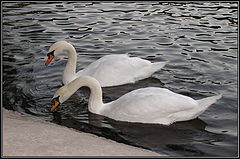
(110, 70)
(145, 105)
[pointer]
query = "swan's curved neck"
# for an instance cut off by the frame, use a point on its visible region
(70, 69)
(95, 102)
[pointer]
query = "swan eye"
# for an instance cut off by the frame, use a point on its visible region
(56, 99)
(51, 53)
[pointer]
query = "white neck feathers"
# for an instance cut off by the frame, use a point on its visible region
(95, 103)
(70, 68)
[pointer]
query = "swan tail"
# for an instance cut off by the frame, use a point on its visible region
(158, 65)
(206, 102)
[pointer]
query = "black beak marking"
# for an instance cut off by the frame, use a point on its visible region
(55, 99)
(51, 53)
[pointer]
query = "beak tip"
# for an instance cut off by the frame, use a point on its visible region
(52, 109)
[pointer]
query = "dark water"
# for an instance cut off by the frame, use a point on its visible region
(199, 40)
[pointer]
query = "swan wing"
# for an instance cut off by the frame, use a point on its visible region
(113, 70)
(151, 105)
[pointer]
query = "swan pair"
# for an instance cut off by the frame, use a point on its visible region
(145, 105)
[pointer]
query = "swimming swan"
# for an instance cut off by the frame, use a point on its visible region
(145, 105)
(110, 70)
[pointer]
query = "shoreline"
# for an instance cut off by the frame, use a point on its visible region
(29, 136)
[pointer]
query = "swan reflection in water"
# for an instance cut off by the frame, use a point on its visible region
(137, 134)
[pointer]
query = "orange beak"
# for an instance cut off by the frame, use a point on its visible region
(50, 57)
(55, 104)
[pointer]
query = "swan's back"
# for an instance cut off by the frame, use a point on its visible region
(151, 105)
(113, 70)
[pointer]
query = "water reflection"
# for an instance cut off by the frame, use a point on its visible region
(156, 137)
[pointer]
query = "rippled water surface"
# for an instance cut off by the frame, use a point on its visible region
(198, 39)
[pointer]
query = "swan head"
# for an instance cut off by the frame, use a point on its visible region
(61, 95)
(55, 50)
